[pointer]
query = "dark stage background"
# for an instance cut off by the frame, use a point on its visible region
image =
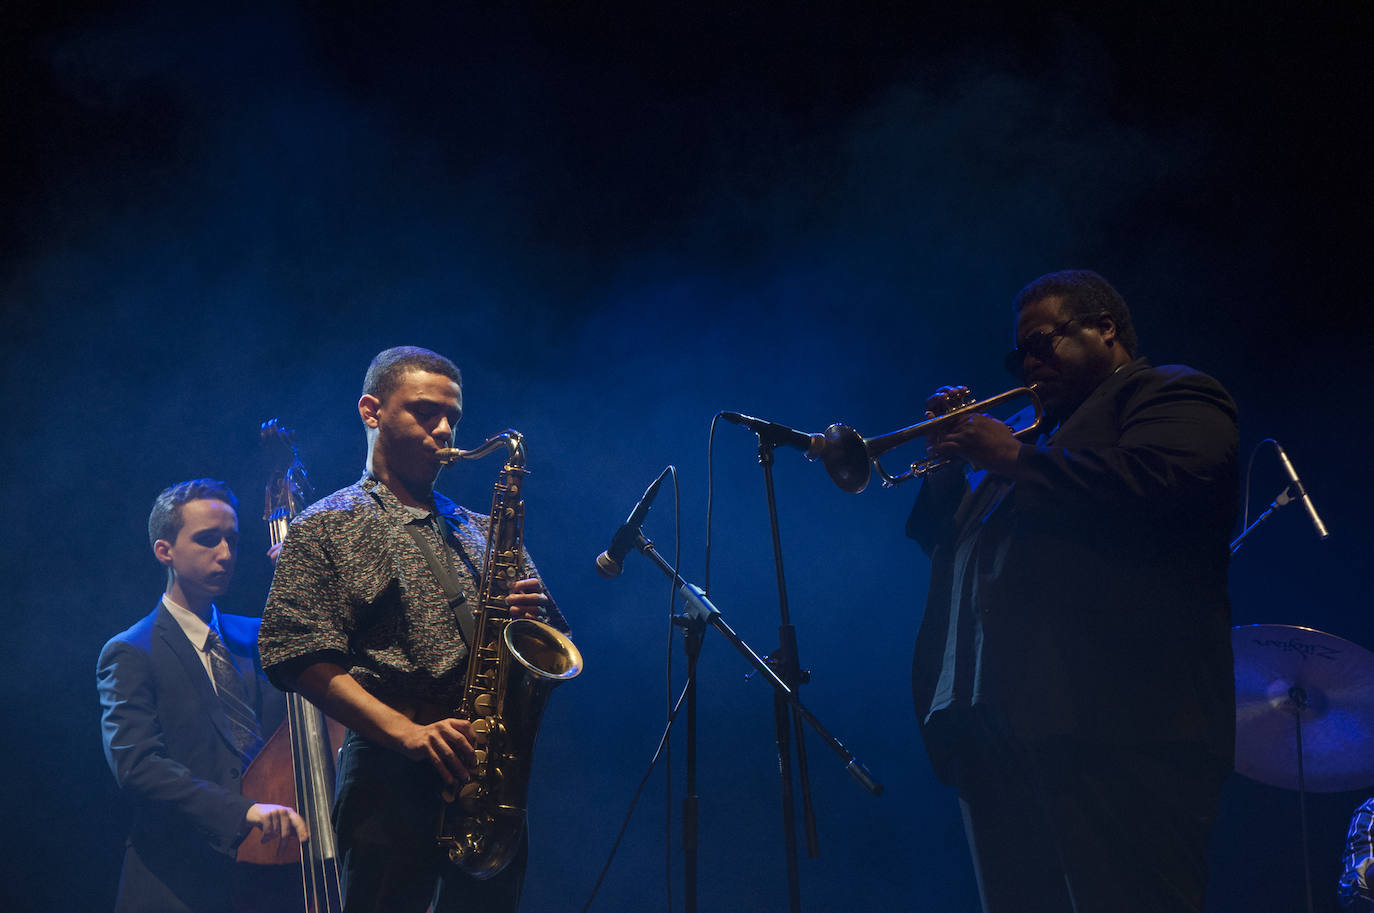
(619, 219)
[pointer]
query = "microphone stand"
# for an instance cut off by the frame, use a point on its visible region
(693, 628)
(1280, 500)
(788, 664)
(1293, 491)
(1297, 696)
(698, 613)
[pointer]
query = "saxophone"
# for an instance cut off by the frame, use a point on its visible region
(513, 665)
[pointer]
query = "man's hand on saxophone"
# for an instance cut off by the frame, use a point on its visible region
(446, 744)
(528, 599)
(414, 732)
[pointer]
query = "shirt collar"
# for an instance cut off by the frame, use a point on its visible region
(384, 496)
(191, 624)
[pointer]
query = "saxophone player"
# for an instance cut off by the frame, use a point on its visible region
(364, 619)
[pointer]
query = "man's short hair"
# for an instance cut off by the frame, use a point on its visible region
(165, 521)
(389, 367)
(1085, 294)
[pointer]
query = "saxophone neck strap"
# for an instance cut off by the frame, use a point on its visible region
(447, 576)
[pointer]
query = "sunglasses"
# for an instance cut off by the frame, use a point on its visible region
(1039, 344)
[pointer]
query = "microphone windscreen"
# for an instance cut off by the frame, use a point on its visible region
(607, 566)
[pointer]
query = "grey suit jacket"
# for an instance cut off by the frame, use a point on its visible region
(169, 747)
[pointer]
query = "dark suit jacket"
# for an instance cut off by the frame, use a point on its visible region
(168, 744)
(1089, 598)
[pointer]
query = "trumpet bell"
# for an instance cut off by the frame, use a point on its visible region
(846, 459)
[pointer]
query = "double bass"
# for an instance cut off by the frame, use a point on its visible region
(296, 764)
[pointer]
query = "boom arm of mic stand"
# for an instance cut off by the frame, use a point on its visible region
(1282, 499)
(700, 608)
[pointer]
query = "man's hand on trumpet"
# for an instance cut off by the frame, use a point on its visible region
(980, 440)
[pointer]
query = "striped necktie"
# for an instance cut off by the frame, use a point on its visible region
(233, 697)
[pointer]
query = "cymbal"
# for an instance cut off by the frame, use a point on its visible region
(1284, 672)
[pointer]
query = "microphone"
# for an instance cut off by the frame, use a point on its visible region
(611, 562)
(1300, 491)
(773, 433)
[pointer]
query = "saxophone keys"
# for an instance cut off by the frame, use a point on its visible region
(481, 731)
(470, 795)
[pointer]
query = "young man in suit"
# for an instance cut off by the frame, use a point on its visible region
(182, 713)
(1073, 673)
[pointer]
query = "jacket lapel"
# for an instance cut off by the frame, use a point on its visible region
(188, 657)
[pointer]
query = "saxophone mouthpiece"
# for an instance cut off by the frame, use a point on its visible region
(449, 455)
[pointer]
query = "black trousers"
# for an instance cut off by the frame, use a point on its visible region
(1081, 827)
(386, 809)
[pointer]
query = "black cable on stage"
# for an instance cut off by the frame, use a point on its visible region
(1249, 467)
(664, 748)
(653, 762)
(668, 695)
(710, 499)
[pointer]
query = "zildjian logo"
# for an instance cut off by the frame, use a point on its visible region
(1297, 646)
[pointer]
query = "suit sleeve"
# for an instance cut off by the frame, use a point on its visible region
(931, 521)
(138, 757)
(1176, 445)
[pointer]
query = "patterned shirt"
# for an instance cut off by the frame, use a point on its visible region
(1355, 890)
(353, 588)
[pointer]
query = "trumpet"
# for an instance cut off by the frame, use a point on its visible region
(850, 458)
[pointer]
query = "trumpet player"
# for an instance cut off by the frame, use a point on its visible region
(1073, 673)
(360, 622)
